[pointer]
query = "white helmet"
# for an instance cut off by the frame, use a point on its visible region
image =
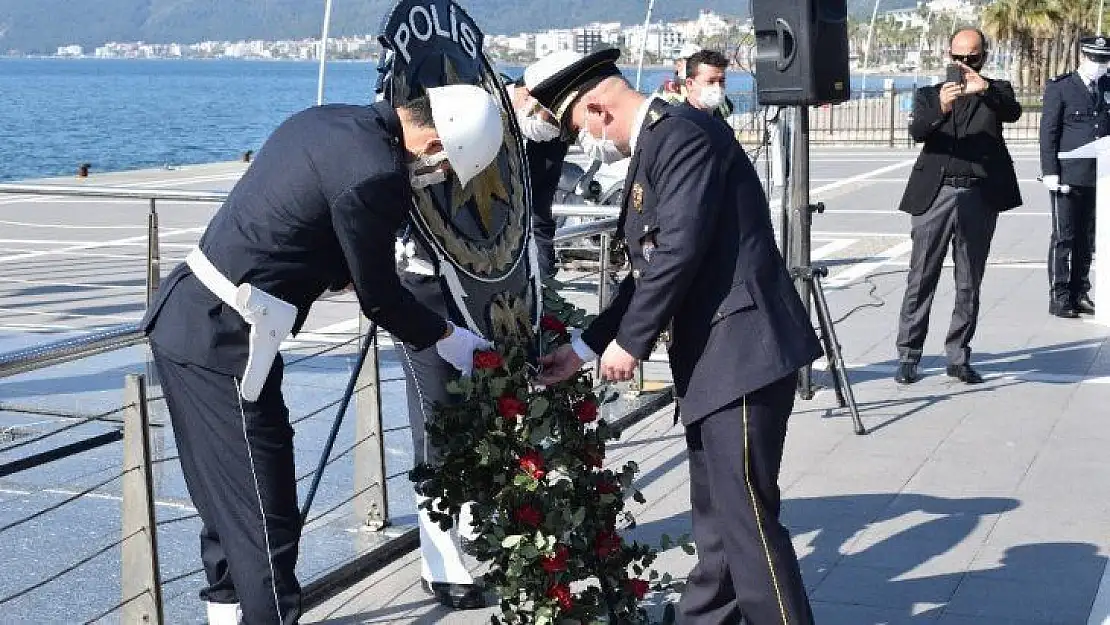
(468, 121)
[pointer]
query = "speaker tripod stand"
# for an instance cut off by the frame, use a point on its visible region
(797, 215)
(812, 276)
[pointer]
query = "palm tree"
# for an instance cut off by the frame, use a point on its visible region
(1018, 23)
(1077, 19)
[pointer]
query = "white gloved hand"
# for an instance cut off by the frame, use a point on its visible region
(459, 347)
(1052, 183)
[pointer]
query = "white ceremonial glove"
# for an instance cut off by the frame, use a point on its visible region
(459, 347)
(1052, 183)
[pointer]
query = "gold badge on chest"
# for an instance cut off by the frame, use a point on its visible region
(637, 197)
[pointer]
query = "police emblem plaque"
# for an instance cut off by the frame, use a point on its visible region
(480, 235)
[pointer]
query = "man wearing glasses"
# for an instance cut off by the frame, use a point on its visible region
(962, 179)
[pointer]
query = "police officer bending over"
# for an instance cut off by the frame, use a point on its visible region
(317, 209)
(704, 260)
(1075, 113)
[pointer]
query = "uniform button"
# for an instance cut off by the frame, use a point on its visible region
(636, 274)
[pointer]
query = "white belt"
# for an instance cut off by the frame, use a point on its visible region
(270, 319)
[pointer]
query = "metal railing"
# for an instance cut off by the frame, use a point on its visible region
(872, 117)
(141, 585)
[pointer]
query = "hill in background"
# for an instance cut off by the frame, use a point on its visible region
(40, 26)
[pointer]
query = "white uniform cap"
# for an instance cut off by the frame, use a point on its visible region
(689, 50)
(548, 66)
(468, 121)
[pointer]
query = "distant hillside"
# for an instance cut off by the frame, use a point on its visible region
(40, 26)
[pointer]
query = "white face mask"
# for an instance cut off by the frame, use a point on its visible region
(711, 97)
(537, 129)
(424, 164)
(1091, 70)
(603, 149)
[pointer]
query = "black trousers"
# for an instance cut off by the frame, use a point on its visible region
(958, 216)
(1072, 246)
(543, 230)
(746, 563)
(237, 460)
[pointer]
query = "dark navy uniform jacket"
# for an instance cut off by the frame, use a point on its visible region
(704, 258)
(1072, 117)
(317, 209)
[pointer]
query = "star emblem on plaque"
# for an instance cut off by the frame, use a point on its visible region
(480, 235)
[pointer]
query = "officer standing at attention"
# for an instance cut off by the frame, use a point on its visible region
(445, 567)
(704, 258)
(317, 209)
(963, 178)
(1076, 112)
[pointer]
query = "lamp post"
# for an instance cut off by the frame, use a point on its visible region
(323, 53)
(867, 50)
(643, 43)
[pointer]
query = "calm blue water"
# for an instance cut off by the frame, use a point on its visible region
(128, 114)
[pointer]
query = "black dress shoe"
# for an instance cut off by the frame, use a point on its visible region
(1085, 305)
(1065, 311)
(964, 373)
(907, 373)
(456, 596)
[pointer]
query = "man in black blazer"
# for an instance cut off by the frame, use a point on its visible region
(703, 259)
(962, 179)
(317, 209)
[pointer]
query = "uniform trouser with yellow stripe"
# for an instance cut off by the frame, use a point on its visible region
(746, 564)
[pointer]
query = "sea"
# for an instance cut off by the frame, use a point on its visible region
(121, 114)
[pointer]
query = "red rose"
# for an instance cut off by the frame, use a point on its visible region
(638, 587)
(532, 464)
(593, 457)
(551, 323)
(561, 594)
(607, 487)
(557, 562)
(487, 360)
(606, 544)
(528, 515)
(586, 411)
(509, 407)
